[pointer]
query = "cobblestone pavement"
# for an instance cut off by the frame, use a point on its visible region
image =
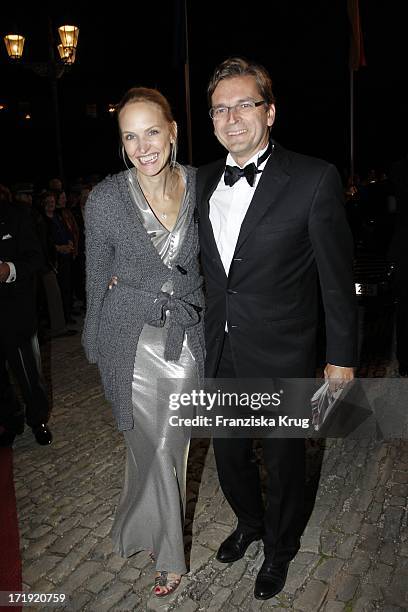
(354, 554)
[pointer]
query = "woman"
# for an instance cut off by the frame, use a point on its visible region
(140, 228)
(68, 218)
(64, 246)
(49, 276)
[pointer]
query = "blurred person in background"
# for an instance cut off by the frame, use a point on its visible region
(20, 262)
(49, 277)
(64, 245)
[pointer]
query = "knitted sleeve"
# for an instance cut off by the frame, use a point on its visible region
(99, 260)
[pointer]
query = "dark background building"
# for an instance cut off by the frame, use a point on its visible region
(305, 45)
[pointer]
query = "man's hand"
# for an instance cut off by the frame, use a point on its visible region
(338, 376)
(4, 272)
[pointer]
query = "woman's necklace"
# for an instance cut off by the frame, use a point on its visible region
(163, 214)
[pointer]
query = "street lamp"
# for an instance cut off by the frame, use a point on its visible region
(53, 69)
(14, 45)
(69, 40)
(67, 54)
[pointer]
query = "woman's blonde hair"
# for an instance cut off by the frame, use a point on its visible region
(152, 96)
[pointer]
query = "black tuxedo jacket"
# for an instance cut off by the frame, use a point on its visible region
(20, 245)
(294, 233)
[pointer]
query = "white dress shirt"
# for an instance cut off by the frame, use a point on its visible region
(228, 207)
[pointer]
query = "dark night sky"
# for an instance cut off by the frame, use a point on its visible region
(303, 44)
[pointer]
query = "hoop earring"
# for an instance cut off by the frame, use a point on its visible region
(173, 154)
(123, 156)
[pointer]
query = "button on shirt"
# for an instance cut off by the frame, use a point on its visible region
(228, 207)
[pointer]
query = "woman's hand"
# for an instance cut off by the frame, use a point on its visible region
(113, 281)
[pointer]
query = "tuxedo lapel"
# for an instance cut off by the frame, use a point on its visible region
(273, 180)
(210, 184)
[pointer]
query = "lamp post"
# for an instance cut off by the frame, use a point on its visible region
(53, 69)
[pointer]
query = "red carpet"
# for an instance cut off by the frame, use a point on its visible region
(10, 561)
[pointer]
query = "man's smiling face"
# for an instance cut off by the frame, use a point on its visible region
(242, 134)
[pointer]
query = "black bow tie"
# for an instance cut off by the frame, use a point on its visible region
(232, 174)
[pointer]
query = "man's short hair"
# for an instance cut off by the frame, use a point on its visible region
(237, 67)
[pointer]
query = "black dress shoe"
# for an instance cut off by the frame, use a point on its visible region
(234, 547)
(271, 579)
(42, 434)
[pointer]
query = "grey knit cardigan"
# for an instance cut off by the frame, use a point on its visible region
(117, 244)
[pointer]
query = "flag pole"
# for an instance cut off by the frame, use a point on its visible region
(351, 124)
(187, 89)
(357, 59)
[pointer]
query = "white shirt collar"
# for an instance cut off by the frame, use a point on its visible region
(254, 159)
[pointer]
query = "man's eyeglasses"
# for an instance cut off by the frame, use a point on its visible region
(242, 108)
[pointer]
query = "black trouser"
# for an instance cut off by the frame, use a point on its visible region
(280, 520)
(25, 364)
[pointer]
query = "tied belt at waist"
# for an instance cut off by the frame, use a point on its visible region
(183, 315)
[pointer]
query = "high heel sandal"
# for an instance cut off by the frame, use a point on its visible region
(162, 581)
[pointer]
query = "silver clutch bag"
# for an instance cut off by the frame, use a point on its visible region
(323, 403)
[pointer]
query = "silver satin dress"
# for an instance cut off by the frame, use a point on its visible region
(150, 514)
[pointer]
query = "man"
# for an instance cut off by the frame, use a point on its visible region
(271, 223)
(20, 260)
